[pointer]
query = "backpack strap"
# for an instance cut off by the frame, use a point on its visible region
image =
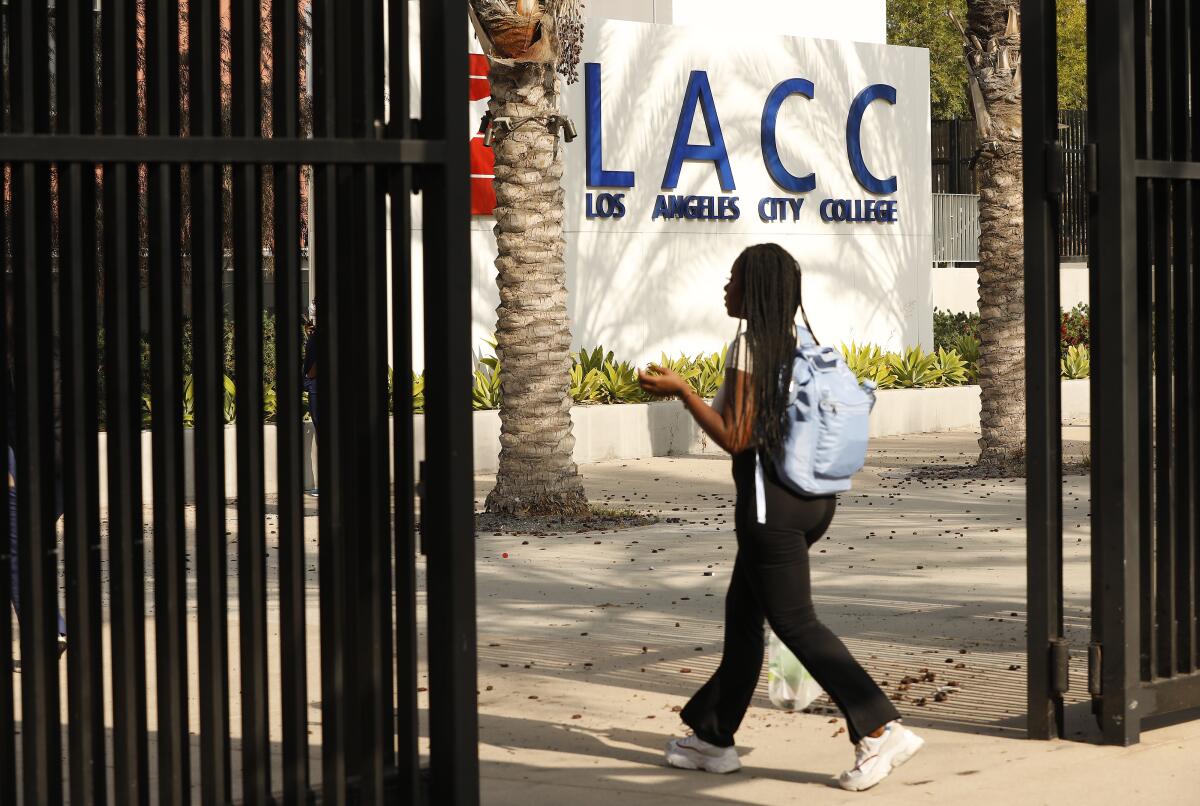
(760, 488)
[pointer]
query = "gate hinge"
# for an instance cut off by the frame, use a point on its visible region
(1091, 168)
(1060, 666)
(1095, 656)
(1055, 169)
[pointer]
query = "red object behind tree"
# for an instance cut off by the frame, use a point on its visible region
(483, 162)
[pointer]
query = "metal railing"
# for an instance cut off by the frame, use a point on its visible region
(955, 228)
(340, 614)
(954, 150)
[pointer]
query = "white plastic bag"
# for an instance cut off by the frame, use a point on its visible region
(789, 684)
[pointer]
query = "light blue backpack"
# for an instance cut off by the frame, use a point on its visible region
(829, 421)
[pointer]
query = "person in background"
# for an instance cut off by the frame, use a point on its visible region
(309, 370)
(10, 436)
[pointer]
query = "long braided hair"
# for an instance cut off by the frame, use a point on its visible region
(771, 283)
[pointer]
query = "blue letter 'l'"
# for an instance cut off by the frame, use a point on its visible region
(698, 91)
(865, 178)
(597, 177)
(770, 145)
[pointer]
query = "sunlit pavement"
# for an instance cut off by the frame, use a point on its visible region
(589, 644)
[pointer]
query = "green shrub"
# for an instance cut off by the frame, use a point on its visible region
(949, 326)
(586, 370)
(594, 360)
(189, 402)
(270, 403)
(683, 366)
(914, 369)
(619, 384)
(418, 393)
(1077, 363)
(1075, 330)
(596, 377)
(486, 393)
(710, 373)
(869, 363)
(951, 369)
(585, 388)
(968, 347)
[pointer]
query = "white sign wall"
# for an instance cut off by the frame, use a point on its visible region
(641, 284)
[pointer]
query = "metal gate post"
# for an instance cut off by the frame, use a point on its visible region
(1115, 387)
(1043, 186)
(448, 511)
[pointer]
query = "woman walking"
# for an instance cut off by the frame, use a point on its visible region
(771, 575)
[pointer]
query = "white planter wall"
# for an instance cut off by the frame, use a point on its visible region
(956, 288)
(270, 463)
(665, 428)
(634, 431)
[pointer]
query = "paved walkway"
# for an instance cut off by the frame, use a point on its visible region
(590, 643)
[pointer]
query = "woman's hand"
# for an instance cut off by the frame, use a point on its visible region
(661, 382)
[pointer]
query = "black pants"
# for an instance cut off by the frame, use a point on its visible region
(771, 581)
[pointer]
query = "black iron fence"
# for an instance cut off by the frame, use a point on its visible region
(227, 688)
(954, 145)
(1141, 184)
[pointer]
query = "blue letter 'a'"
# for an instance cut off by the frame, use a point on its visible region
(698, 90)
(597, 177)
(770, 145)
(865, 178)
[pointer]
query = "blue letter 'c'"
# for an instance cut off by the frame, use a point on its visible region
(770, 146)
(596, 175)
(698, 90)
(865, 178)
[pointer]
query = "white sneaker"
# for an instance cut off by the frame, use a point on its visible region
(693, 753)
(875, 758)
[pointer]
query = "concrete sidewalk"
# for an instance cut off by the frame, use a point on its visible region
(590, 643)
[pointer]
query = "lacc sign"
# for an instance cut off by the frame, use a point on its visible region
(669, 206)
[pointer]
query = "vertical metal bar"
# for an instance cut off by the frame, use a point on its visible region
(355, 354)
(123, 412)
(247, 267)
(449, 504)
(1143, 82)
(332, 539)
(1163, 533)
(293, 640)
(1183, 392)
(35, 386)
(77, 264)
(1042, 385)
(371, 424)
(166, 392)
(8, 736)
(400, 187)
(209, 403)
(1191, 618)
(1144, 250)
(1148, 580)
(1115, 410)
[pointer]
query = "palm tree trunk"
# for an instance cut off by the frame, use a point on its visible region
(1001, 236)
(537, 474)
